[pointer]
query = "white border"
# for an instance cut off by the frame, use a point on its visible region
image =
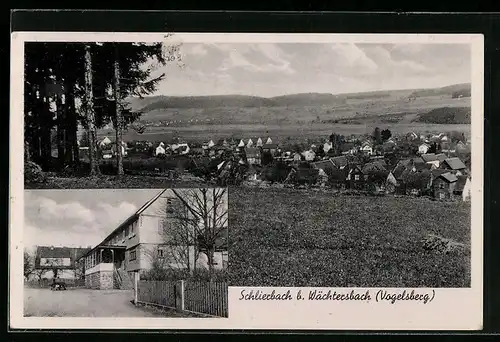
(457, 309)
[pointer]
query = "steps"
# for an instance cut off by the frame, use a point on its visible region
(122, 280)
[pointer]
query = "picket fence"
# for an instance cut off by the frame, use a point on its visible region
(207, 298)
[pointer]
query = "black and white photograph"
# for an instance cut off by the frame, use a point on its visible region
(126, 253)
(343, 162)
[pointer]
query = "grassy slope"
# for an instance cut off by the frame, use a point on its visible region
(291, 238)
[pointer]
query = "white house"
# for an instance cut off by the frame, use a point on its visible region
(211, 144)
(160, 150)
(137, 242)
(309, 155)
(269, 141)
(423, 148)
(259, 142)
(241, 144)
(104, 142)
(183, 148)
(327, 147)
(249, 143)
(467, 190)
(367, 149)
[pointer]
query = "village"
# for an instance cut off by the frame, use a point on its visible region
(433, 165)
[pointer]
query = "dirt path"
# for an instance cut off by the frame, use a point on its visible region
(84, 303)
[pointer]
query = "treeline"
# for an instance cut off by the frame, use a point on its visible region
(72, 84)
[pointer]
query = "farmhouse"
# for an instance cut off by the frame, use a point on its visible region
(253, 155)
(355, 177)
(272, 148)
(423, 148)
(367, 148)
(444, 185)
(340, 162)
(138, 242)
(62, 259)
(160, 150)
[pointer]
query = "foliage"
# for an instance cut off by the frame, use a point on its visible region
(377, 136)
(293, 238)
(33, 173)
(386, 134)
(276, 172)
(447, 115)
(29, 265)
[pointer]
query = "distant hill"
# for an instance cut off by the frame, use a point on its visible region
(463, 88)
(446, 115)
(151, 103)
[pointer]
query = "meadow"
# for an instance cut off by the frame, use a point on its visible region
(299, 238)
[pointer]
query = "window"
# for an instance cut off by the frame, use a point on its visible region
(127, 231)
(133, 255)
(161, 253)
(356, 177)
(133, 228)
(441, 185)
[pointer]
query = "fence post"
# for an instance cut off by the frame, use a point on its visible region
(136, 286)
(179, 295)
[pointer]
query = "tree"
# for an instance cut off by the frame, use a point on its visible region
(208, 215)
(386, 134)
(29, 265)
(90, 113)
(267, 158)
(377, 136)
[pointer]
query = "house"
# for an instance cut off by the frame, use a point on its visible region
(444, 185)
(309, 155)
(297, 157)
(259, 142)
(423, 148)
(340, 162)
(463, 187)
(183, 148)
(137, 242)
(327, 146)
(355, 177)
(160, 150)
(64, 259)
(455, 165)
(303, 175)
(272, 148)
(210, 144)
(416, 183)
(324, 165)
(347, 149)
(253, 155)
(104, 142)
(269, 141)
(249, 143)
(431, 159)
(366, 149)
(241, 144)
(411, 136)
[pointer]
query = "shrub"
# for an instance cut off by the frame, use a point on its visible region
(33, 173)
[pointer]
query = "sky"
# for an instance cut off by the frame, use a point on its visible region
(75, 218)
(271, 69)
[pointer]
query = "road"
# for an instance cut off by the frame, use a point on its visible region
(85, 303)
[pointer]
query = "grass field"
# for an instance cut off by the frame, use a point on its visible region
(294, 238)
(290, 132)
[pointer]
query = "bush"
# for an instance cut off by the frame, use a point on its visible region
(33, 173)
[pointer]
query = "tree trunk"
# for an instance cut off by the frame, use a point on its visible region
(89, 107)
(210, 255)
(118, 113)
(71, 145)
(45, 138)
(61, 132)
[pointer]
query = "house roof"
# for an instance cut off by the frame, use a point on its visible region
(441, 157)
(73, 253)
(270, 146)
(455, 163)
(339, 161)
(449, 177)
(429, 157)
(323, 164)
(252, 152)
(400, 167)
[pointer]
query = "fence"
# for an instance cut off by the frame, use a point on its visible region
(207, 298)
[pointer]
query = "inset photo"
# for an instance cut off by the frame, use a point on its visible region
(126, 253)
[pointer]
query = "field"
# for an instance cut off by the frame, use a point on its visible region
(279, 133)
(296, 238)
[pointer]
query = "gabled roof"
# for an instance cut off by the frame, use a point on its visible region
(449, 177)
(441, 157)
(455, 163)
(400, 167)
(270, 146)
(429, 157)
(323, 164)
(339, 161)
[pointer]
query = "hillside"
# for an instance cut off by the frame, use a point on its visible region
(446, 115)
(161, 102)
(463, 88)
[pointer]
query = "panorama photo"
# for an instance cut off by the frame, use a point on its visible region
(346, 164)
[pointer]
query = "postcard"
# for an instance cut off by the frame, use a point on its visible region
(246, 181)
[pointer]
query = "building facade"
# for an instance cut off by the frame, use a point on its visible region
(138, 242)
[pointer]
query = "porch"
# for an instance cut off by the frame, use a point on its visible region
(104, 266)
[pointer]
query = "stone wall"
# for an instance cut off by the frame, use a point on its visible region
(99, 280)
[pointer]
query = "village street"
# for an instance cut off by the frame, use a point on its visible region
(84, 303)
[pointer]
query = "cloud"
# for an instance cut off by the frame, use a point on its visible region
(49, 222)
(49, 209)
